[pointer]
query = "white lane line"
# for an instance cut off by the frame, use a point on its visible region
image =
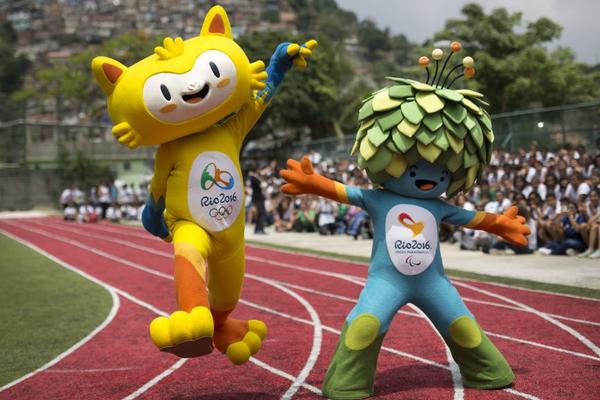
(383, 348)
(414, 314)
(573, 296)
(494, 304)
(350, 278)
(135, 231)
(317, 335)
(83, 371)
(315, 350)
(457, 382)
(588, 343)
(152, 382)
(356, 280)
(338, 332)
(109, 318)
(147, 236)
(140, 302)
(521, 394)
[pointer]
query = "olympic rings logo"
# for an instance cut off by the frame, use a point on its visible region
(220, 213)
(212, 175)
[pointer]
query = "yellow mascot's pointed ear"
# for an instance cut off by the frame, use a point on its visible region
(107, 72)
(216, 23)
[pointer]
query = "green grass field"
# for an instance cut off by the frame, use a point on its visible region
(549, 287)
(45, 309)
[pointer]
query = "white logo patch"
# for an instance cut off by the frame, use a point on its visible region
(411, 235)
(214, 191)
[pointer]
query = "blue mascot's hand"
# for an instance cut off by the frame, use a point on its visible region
(153, 219)
(285, 56)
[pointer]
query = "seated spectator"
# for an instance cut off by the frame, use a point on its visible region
(284, 213)
(66, 196)
(70, 212)
(326, 211)
(113, 213)
(340, 218)
(87, 213)
(571, 243)
(304, 220)
(359, 223)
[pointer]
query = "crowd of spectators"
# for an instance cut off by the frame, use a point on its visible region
(112, 201)
(556, 191)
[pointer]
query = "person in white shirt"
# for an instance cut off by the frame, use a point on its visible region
(66, 197)
(70, 212)
(326, 217)
(78, 196)
(113, 213)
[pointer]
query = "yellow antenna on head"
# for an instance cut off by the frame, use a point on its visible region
(171, 48)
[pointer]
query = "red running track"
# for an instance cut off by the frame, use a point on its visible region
(550, 340)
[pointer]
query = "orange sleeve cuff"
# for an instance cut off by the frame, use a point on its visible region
(482, 220)
(330, 189)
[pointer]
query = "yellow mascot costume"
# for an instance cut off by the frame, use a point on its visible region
(198, 99)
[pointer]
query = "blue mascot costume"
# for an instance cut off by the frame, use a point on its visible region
(417, 141)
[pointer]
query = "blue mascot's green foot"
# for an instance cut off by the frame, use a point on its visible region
(481, 364)
(351, 373)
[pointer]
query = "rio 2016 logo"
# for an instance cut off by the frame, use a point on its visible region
(411, 238)
(212, 175)
(215, 192)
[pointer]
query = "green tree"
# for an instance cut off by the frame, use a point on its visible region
(12, 73)
(69, 82)
(324, 17)
(373, 40)
(80, 170)
(310, 102)
(514, 69)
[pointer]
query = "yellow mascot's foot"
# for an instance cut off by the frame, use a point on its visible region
(184, 334)
(239, 340)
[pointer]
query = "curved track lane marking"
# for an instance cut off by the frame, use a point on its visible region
(317, 338)
(166, 276)
(111, 315)
(414, 314)
(148, 385)
(317, 335)
(114, 290)
(457, 382)
(350, 278)
(136, 230)
(588, 343)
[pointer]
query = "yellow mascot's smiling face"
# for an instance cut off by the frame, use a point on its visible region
(181, 89)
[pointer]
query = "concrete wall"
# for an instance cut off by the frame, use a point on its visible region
(23, 189)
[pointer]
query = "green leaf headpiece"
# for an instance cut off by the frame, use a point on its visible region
(409, 120)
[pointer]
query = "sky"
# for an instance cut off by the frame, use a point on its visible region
(418, 19)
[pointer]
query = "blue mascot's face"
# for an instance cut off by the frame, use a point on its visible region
(423, 180)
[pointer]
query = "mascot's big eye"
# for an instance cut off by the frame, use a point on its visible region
(413, 174)
(165, 92)
(214, 68)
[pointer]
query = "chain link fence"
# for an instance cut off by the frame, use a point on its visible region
(29, 151)
(550, 128)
